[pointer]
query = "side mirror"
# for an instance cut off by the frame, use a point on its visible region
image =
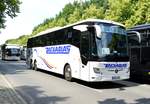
(135, 34)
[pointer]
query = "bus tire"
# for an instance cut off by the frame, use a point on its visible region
(31, 66)
(67, 73)
(35, 66)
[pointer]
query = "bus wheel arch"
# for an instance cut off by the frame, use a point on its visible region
(67, 72)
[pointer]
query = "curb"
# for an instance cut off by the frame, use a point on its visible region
(12, 89)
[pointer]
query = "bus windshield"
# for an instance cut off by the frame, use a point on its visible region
(112, 44)
(12, 51)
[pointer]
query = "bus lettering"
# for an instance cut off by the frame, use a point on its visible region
(115, 65)
(58, 50)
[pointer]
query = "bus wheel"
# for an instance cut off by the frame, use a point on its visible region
(67, 73)
(30, 67)
(35, 66)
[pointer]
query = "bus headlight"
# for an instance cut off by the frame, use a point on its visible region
(97, 70)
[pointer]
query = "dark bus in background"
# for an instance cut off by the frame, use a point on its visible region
(139, 50)
(10, 52)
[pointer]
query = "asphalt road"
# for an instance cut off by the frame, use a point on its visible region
(40, 87)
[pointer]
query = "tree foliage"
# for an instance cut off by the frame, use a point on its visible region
(93, 12)
(127, 12)
(140, 13)
(8, 8)
(22, 40)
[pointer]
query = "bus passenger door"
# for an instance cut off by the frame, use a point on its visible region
(85, 55)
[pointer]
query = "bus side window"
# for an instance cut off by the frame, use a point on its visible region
(72, 36)
(68, 36)
(76, 38)
(59, 37)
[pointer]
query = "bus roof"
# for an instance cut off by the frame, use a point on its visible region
(10, 45)
(80, 22)
(140, 27)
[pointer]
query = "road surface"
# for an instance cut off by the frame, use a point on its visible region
(40, 87)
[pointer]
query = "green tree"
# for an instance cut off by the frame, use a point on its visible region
(8, 8)
(119, 10)
(141, 13)
(61, 21)
(100, 3)
(22, 40)
(66, 11)
(93, 12)
(75, 16)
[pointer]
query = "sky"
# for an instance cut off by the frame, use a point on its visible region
(32, 13)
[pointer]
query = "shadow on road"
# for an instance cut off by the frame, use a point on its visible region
(100, 85)
(95, 85)
(140, 80)
(33, 95)
(12, 67)
(39, 97)
(112, 101)
(121, 101)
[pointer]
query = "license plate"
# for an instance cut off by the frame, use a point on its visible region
(115, 77)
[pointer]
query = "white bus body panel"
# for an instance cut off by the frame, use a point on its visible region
(56, 62)
(109, 71)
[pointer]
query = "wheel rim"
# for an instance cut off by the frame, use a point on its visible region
(67, 74)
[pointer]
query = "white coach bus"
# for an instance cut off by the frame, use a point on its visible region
(91, 50)
(10, 52)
